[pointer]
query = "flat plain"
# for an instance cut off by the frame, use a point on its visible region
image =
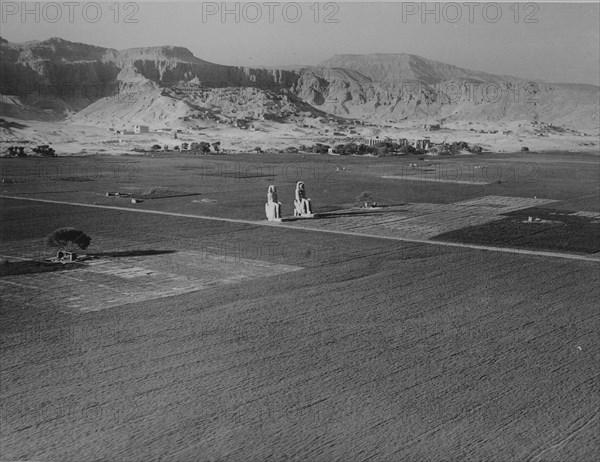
(196, 331)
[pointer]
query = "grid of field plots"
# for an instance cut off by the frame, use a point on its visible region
(423, 221)
(105, 283)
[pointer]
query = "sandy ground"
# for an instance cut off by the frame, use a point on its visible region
(69, 139)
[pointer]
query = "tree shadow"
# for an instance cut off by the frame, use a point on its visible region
(127, 253)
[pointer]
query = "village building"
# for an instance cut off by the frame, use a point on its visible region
(137, 129)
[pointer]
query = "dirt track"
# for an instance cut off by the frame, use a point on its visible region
(377, 349)
(363, 226)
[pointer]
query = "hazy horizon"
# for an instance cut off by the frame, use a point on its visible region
(563, 46)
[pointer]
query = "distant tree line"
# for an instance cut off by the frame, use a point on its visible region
(380, 149)
(43, 150)
(454, 148)
(385, 148)
(203, 147)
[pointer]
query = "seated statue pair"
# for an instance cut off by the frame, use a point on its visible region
(302, 204)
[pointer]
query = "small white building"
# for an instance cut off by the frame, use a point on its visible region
(137, 129)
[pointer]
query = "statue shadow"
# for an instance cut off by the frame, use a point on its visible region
(380, 210)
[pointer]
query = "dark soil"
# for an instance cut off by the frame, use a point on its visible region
(558, 230)
(10, 268)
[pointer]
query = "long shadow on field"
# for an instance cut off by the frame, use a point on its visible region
(162, 196)
(383, 209)
(48, 192)
(130, 253)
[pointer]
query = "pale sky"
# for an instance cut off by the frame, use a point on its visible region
(562, 46)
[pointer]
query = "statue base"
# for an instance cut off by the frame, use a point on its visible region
(273, 212)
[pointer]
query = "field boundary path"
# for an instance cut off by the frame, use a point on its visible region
(298, 226)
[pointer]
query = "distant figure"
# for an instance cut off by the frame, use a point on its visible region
(302, 204)
(272, 207)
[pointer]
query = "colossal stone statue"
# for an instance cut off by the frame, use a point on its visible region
(272, 207)
(302, 204)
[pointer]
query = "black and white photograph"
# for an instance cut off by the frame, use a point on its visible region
(299, 231)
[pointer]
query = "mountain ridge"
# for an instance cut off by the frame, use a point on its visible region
(413, 62)
(376, 87)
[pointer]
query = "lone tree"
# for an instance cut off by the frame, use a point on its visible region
(68, 239)
(365, 199)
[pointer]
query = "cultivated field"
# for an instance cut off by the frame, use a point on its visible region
(195, 331)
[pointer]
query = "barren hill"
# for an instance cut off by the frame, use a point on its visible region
(397, 68)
